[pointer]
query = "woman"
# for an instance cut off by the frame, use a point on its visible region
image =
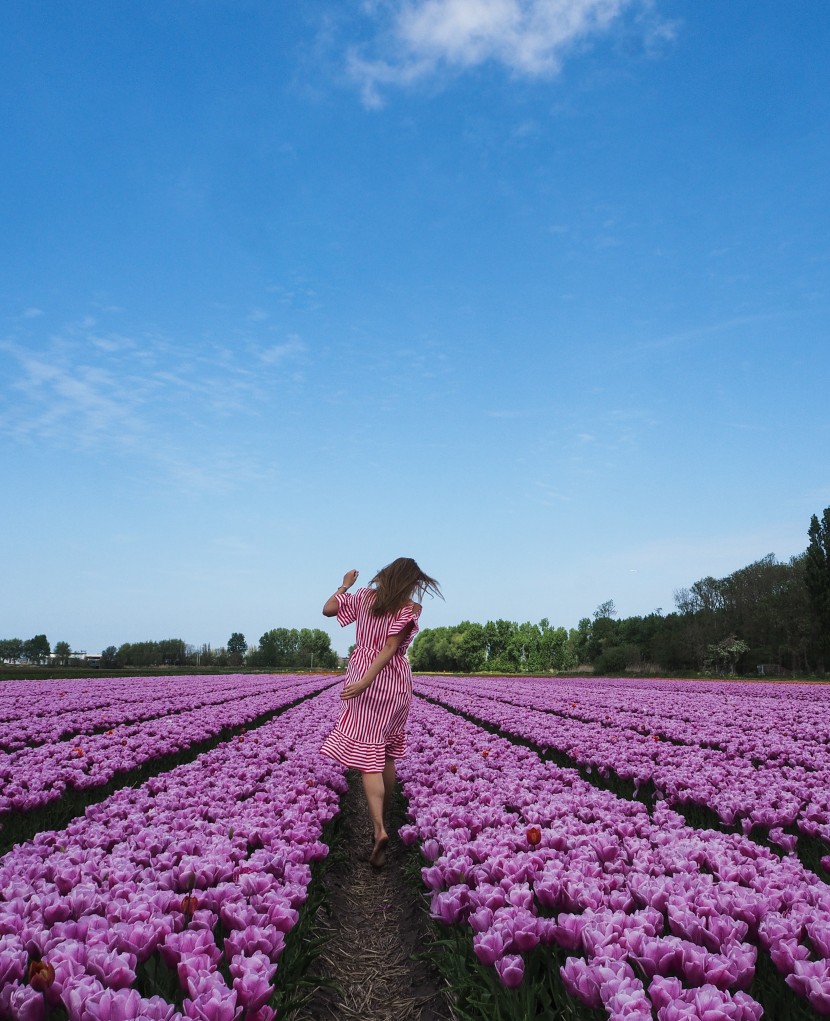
(370, 731)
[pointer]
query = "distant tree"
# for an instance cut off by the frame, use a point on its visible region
(109, 656)
(172, 652)
(63, 650)
(277, 647)
(724, 655)
(36, 649)
(11, 649)
(287, 647)
(603, 630)
(314, 649)
(817, 575)
(237, 647)
(605, 610)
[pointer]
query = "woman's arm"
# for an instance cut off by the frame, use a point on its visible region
(377, 664)
(330, 605)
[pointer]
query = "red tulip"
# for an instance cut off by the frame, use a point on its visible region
(534, 835)
(41, 975)
(189, 904)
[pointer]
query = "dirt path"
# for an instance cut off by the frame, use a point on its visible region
(376, 928)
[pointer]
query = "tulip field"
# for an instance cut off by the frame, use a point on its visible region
(587, 848)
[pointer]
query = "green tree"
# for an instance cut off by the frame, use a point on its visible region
(724, 655)
(63, 650)
(109, 656)
(277, 647)
(314, 649)
(237, 647)
(11, 649)
(817, 577)
(36, 649)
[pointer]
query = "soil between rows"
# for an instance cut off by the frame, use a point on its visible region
(376, 930)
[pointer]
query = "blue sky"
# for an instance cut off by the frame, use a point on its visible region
(535, 291)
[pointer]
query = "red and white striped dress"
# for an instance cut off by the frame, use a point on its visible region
(372, 724)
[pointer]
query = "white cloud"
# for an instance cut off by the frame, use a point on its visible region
(527, 37)
(279, 352)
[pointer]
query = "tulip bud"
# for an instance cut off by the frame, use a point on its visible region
(190, 904)
(41, 975)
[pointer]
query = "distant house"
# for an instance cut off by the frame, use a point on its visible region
(80, 658)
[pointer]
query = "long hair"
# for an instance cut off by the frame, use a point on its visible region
(397, 583)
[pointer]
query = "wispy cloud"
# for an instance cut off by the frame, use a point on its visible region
(415, 39)
(280, 352)
(172, 402)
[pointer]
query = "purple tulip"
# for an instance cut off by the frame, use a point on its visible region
(266, 938)
(27, 1004)
(488, 946)
(116, 971)
(811, 979)
(115, 1005)
(448, 907)
(580, 981)
(13, 960)
(787, 954)
(408, 835)
(480, 920)
(212, 1006)
(511, 970)
(252, 980)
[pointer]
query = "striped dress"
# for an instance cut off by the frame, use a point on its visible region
(372, 724)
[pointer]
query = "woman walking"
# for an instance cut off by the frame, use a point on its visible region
(370, 731)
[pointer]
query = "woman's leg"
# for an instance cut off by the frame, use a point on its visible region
(373, 787)
(388, 784)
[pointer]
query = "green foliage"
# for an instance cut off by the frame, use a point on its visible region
(171, 652)
(237, 647)
(817, 576)
(63, 650)
(36, 649)
(499, 646)
(289, 647)
(724, 655)
(11, 650)
(767, 618)
(109, 656)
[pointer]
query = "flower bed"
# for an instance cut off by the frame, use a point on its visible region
(754, 755)
(36, 776)
(41, 712)
(173, 899)
(661, 919)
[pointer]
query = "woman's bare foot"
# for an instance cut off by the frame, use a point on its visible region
(378, 856)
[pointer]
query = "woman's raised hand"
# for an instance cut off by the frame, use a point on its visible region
(349, 578)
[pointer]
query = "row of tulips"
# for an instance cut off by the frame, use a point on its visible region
(173, 899)
(660, 919)
(44, 711)
(742, 766)
(37, 776)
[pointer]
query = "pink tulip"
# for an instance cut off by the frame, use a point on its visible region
(115, 1005)
(811, 979)
(252, 980)
(488, 946)
(511, 970)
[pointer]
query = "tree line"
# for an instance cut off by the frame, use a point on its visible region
(284, 648)
(770, 617)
